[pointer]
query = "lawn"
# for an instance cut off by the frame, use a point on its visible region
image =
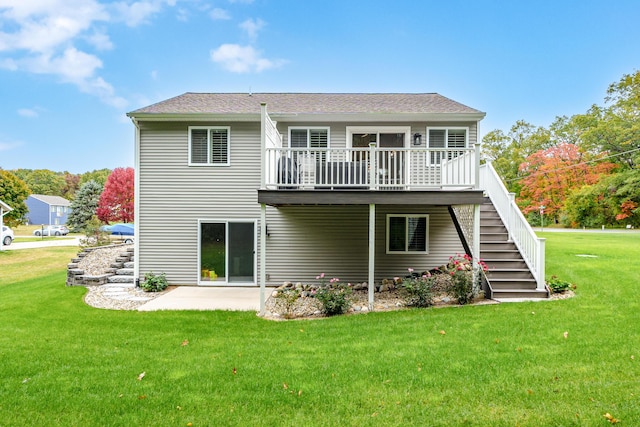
(64, 363)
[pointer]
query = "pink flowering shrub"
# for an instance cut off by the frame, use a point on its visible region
(335, 297)
(460, 268)
(418, 289)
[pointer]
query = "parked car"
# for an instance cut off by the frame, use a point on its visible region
(7, 235)
(52, 230)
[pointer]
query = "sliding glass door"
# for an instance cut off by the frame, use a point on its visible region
(227, 252)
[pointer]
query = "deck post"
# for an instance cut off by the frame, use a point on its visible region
(476, 243)
(373, 167)
(263, 257)
(372, 252)
(512, 202)
(541, 282)
(263, 144)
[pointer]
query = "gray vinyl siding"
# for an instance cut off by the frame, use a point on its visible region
(306, 241)
(303, 241)
(338, 131)
(174, 196)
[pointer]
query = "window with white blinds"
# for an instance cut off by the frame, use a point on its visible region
(447, 137)
(407, 234)
(208, 146)
(308, 137)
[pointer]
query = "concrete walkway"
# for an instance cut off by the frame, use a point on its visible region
(206, 298)
(59, 241)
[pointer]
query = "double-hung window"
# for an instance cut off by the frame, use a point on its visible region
(408, 233)
(448, 139)
(209, 146)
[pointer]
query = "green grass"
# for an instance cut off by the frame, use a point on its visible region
(64, 363)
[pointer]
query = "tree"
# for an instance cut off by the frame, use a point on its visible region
(72, 184)
(507, 152)
(615, 128)
(552, 174)
(84, 206)
(116, 201)
(100, 176)
(42, 181)
(14, 192)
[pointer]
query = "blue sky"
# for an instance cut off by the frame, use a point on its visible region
(71, 69)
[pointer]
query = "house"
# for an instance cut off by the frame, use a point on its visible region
(49, 210)
(257, 189)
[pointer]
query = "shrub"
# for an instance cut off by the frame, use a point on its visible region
(287, 299)
(334, 297)
(418, 290)
(558, 285)
(154, 283)
(463, 288)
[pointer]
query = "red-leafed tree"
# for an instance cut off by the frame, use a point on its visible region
(116, 201)
(552, 174)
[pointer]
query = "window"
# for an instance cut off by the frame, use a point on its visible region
(208, 146)
(308, 137)
(407, 234)
(227, 251)
(448, 138)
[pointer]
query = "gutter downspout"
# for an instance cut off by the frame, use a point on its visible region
(136, 203)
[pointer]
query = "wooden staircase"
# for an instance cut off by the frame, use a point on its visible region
(508, 276)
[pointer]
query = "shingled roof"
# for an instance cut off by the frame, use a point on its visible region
(307, 103)
(52, 200)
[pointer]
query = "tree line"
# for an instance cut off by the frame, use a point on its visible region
(101, 195)
(581, 171)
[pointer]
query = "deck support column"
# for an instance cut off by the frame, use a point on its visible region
(476, 244)
(263, 257)
(372, 252)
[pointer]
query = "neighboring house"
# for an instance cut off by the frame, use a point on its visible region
(49, 210)
(258, 189)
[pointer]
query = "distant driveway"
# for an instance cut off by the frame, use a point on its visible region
(43, 244)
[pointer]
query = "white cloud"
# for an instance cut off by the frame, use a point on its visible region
(252, 27)
(242, 59)
(100, 40)
(218, 14)
(39, 36)
(28, 112)
(136, 13)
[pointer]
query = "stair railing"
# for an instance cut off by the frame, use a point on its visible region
(520, 232)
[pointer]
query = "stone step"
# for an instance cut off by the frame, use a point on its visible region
(116, 285)
(120, 279)
(122, 259)
(125, 272)
(117, 265)
(99, 279)
(72, 265)
(129, 264)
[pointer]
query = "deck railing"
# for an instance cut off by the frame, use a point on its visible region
(531, 246)
(370, 168)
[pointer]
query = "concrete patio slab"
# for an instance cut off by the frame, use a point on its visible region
(206, 298)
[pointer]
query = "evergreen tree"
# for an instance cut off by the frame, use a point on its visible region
(84, 206)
